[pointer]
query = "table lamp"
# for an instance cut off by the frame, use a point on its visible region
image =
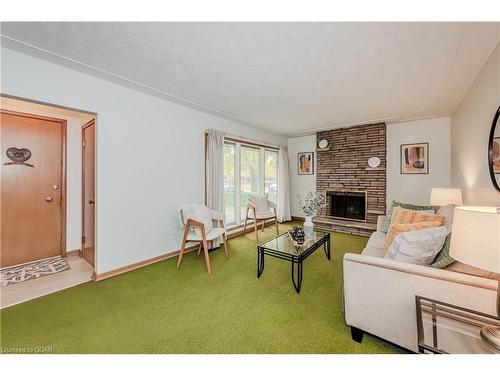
(444, 196)
(475, 240)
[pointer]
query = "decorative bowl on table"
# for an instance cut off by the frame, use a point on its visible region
(298, 236)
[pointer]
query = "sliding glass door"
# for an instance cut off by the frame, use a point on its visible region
(249, 175)
(229, 182)
(271, 174)
(248, 169)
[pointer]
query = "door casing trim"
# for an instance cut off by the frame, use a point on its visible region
(90, 123)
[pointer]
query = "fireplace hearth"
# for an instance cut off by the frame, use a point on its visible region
(346, 205)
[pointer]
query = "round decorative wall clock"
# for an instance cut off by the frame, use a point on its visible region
(374, 162)
(323, 143)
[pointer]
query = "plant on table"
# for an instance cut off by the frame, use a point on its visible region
(312, 203)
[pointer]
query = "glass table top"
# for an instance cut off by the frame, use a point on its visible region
(445, 328)
(285, 244)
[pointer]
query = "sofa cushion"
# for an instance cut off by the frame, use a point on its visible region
(404, 205)
(375, 245)
(397, 229)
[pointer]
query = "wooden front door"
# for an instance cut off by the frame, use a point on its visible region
(88, 196)
(31, 187)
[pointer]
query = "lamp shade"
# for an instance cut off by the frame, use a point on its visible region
(475, 237)
(444, 196)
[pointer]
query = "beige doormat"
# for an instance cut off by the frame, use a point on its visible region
(32, 270)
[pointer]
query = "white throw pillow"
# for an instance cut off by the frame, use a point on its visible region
(418, 247)
(199, 213)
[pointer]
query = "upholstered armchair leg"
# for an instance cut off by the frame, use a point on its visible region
(224, 237)
(276, 222)
(207, 258)
(183, 245)
(199, 249)
(225, 246)
(246, 218)
(255, 227)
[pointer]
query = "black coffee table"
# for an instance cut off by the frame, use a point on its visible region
(283, 247)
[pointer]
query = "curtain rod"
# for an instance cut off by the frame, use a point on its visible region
(248, 140)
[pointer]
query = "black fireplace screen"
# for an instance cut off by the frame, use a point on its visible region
(347, 205)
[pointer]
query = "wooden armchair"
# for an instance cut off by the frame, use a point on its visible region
(260, 208)
(198, 223)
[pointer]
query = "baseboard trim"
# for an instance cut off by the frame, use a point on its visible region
(298, 218)
(147, 262)
(250, 228)
(72, 252)
(142, 263)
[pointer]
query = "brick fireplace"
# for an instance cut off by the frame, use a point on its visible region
(343, 174)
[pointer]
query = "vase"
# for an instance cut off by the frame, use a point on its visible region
(308, 227)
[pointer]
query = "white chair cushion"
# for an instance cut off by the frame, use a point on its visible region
(198, 212)
(260, 202)
(418, 247)
(262, 207)
(210, 235)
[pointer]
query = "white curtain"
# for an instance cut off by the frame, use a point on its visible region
(215, 172)
(283, 204)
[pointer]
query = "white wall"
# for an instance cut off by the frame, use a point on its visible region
(74, 184)
(300, 184)
(150, 154)
(470, 128)
(417, 188)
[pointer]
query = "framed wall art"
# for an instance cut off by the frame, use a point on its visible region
(415, 158)
(305, 162)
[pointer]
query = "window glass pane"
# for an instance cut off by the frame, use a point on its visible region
(229, 183)
(271, 174)
(249, 175)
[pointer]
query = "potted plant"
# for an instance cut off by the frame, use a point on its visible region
(310, 206)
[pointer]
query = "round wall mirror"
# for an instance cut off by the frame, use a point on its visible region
(494, 151)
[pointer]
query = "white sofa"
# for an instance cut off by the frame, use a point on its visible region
(380, 293)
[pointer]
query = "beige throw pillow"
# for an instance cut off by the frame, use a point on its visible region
(405, 216)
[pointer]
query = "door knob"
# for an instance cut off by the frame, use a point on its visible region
(91, 201)
(49, 199)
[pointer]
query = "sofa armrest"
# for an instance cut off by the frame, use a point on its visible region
(424, 271)
(380, 222)
(380, 295)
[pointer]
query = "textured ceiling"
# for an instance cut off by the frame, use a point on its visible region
(289, 78)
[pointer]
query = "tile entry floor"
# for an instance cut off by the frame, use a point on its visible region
(80, 272)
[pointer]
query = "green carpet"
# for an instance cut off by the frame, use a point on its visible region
(157, 309)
